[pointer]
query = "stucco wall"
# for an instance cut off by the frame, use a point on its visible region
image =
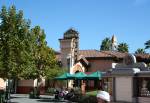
(124, 89)
(65, 47)
(102, 65)
(29, 83)
(144, 99)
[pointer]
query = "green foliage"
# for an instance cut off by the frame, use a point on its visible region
(140, 51)
(84, 99)
(51, 90)
(23, 51)
(147, 44)
(123, 47)
(93, 93)
(34, 93)
(106, 44)
(77, 91)
(14, 31)
(51, 73)
(88, 99)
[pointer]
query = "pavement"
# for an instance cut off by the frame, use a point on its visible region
(24, 98)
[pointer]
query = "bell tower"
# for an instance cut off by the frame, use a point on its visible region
(69, 46)
(114, 43)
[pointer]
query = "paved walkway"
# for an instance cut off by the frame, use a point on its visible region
(24, 98)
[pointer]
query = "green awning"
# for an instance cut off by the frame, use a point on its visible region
(79, 75)
(94, 75)
(65, 76)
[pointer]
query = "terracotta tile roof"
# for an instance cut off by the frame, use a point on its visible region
(93, 53)
(96, 53)
(104, 54)
(115, 54)
(143, 56)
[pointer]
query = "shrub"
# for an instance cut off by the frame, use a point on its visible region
(77, 91)
(84, 99)
(34, 93)
(88, 99)
(51, 90)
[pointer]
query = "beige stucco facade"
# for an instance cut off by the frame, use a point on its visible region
(31, 83)
(102, 65)
(124, 89)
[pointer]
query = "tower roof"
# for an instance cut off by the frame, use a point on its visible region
(114, 39)
(71, 33)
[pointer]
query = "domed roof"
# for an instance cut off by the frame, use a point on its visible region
(71, 33)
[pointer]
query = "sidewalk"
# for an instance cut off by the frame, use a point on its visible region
(24, 98)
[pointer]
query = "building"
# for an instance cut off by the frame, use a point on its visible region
(131, 81)
(89, 61)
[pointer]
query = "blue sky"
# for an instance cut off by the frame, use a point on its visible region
(128, 20)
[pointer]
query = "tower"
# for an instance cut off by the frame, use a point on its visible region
(69, 46)
(114, 43)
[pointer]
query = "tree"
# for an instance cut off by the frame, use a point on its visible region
(23, 51)
(140, 51)
(14, 30)
(147, 44)
(106, 44)
(123, 47)
(44, 57)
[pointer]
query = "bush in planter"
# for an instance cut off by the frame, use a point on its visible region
(74, 95)
(35, 93)
(51, 91)
(77, 91)
(88, 99)
(31, 94)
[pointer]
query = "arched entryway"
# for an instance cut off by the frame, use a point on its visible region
(78, 83)
(77, 68)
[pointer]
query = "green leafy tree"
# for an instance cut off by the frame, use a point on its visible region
(147, 44)
(14, 30)
(140, 51)
(39, 49)
(23, 51)
(44, 57)
(123, 47)
(106, 44)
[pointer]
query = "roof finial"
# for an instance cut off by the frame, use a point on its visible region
(114, 39)
(114, 42)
